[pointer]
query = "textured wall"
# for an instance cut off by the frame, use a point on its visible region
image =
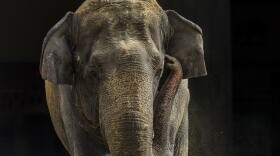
(210, 106)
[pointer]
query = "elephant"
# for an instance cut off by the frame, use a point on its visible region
(116, 78)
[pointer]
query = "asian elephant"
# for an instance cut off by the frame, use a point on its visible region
(116, 76)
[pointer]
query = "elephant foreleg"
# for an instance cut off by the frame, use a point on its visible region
(181, 142)
(179, 121)
(182, 124)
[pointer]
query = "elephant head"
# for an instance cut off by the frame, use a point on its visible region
(121, 59)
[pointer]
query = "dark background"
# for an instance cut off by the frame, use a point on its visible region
(256, 75)
(233, 111)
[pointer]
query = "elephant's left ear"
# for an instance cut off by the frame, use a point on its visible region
(186, 45)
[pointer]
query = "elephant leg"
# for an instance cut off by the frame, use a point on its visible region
(181, 142)
(179, 119)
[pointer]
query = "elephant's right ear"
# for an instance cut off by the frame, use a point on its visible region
(56, 63)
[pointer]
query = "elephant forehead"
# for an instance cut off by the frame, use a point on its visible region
(121, 20)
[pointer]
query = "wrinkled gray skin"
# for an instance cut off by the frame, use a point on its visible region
(116, 78)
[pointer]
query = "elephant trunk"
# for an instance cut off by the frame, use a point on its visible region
(126, 113)
(163, 106)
